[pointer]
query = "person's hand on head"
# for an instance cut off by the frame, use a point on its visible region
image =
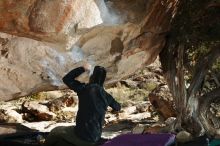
(87, 66)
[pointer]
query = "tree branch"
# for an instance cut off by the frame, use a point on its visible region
(168, 61)
(180, 82)
(213, 4)
(201, 70)
(215, 78)
(204, 103)
(210, 96)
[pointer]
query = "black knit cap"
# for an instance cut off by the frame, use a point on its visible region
(98, 76)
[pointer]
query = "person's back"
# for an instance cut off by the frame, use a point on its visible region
(93, 103)
(92, 107)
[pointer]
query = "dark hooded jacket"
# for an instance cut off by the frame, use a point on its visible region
(93, 103)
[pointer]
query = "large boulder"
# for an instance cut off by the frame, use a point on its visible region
(36, 111)
(41, 40)
(162, 101)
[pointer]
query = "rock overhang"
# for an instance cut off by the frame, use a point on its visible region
(43, 40)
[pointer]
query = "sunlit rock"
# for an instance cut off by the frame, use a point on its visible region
(41, 40)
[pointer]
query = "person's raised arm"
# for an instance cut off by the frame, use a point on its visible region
(71, 82)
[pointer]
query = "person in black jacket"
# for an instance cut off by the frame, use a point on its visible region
(93, 103)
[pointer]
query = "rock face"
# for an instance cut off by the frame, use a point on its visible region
(41, 40)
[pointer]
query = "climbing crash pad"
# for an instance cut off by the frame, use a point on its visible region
(142, 140)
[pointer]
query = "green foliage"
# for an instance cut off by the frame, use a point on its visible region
(197, 26)
(149, 86)
(197, 23)
(37, 96)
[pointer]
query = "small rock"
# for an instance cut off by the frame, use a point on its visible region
(123, 115)
(14, 116)
(139, 116)
(170, 120)
(142, 107)
(130, 110)
(183, 136)
(10, 116)
(110, 118)
(153, 129)
(59, 103)
(140, 79)
(138, 129)
(217, 136)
